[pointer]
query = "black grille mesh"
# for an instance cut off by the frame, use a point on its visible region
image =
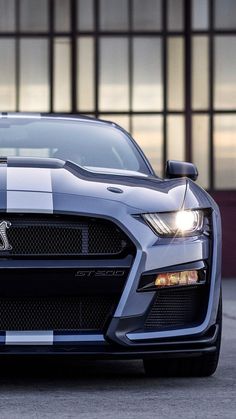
(56, 313)
(63, 236)
(183, 307)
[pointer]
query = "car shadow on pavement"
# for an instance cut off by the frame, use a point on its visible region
(65, 368)
(64, 371)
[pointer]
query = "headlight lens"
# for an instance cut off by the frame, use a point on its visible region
(176, 224)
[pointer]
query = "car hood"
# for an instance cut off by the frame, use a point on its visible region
(30, 179)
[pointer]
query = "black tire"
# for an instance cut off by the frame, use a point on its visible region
(202, 366)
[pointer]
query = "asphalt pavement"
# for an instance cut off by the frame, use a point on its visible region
(108, 389)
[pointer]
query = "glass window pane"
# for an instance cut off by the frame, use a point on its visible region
(114, 80)
(62, 75)
(225, 14)
(122, 120)
(175, 73)
(7, 75)
(147, 15)
(33, 15)
(147, 74)
(200, 144)
(175, 15)
(175, 137)
(225, 72)
(62, 15)
(29, 152)
(85, 15)
(225, 151)
(113, 15)
(85, 75)
(7, 15)
(200, 14)
(200, 72)
(148, 132)
(34, 82)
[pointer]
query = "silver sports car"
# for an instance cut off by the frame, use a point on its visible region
(100, 257)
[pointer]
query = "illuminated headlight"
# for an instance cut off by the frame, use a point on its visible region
(176, 224)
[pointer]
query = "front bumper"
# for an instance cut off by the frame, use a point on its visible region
(85, 347)
(123, 338)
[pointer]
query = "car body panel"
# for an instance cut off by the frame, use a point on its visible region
(57, 187)
(157, 195)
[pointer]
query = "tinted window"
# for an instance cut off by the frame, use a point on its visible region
(86, 143)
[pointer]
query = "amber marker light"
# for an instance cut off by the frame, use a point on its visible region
(176, 279)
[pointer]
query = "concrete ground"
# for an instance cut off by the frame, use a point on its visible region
(120, 389)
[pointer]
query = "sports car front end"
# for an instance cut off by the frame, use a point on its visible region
(107, 263)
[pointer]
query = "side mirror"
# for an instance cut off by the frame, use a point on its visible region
(176, 168)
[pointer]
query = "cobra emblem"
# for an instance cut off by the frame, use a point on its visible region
(3, 235)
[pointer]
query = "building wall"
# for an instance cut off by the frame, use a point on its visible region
(227, 203)
(163, 69)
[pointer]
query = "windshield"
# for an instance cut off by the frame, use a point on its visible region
(86, 143)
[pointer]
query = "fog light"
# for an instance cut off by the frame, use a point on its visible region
(171, 279)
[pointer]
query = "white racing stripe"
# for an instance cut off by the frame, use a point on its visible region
(29, 190)
(29, 179)
(29, 337)
(29, 202)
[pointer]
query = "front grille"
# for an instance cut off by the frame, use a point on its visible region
(56, 313)
(178, 308)
(63, 236)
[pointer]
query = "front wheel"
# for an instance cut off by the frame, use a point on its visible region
(202, 366)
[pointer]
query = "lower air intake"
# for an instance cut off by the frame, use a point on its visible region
(56, 313)
(178, 308)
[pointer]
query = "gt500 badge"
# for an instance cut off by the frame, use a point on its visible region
(100, 273)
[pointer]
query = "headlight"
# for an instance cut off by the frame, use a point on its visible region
(176, 224)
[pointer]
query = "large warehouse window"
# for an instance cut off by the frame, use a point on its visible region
(163, 69)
